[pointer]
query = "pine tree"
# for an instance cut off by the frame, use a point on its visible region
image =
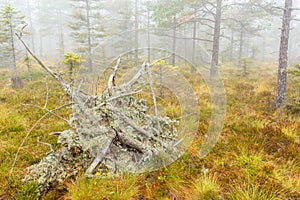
(10, 20)
(165, 14)
(283, 54)
(120, 22)
(86, 27)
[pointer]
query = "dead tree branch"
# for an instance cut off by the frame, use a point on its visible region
(113, 123)
(100, 156)
(111, 81)
(45, 143)
(152, 92)
(66, 87)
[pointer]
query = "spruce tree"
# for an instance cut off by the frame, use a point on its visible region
(87, 30)
(9, 21)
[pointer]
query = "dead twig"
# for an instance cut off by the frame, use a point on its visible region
(100, 156)
(118, 96)
(66, 87)
(133, 125)
(49, 111)
(153, 94)
(158, 60)
(111, 80)
(47, 93)
(141, 72)
(47, 144)
(135, 144)
(135, 77)
(29, 132)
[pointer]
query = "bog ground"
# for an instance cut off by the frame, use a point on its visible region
(257, 156)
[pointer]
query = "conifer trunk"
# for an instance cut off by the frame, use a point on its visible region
(283, 55)
(216, 42)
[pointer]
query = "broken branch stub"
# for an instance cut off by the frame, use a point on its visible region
(112, 131)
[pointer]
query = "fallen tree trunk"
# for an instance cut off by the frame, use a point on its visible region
(112, 131)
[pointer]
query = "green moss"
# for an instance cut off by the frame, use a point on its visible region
(251, 164)
(122, 188)
(28, 191)
(251, 192)
(256, 158)
(206, 188)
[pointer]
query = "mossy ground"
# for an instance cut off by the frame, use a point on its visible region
(257, 156)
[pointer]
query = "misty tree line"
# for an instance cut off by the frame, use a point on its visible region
(235, 31)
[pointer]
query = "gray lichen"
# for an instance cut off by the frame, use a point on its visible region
(136, 140)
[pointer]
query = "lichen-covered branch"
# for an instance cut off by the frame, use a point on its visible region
(66, 87)
(112, 131)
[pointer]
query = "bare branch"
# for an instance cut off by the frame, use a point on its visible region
(125, 140)
(191, 38)
(117, 97)
(55, 133)
(294, 19)
(208, 25)
(141, 72)
(279, 8)
(97, 83)
(178, 142)
(211, 4)
(47, 93)
(153, 93)
(79, 87)
(47, 144)
(100, 156)
(111, 81)
(158, 60)
(210, 11)
(136, 77)
(29, 132)
(47, 110)
(133, 125)
(65, 86)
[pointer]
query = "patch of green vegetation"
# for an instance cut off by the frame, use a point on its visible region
(251, 164)
(251, 192)
(291, 132)
(257, 156)
(28, 191)
(122, 188)
(288, 176)
(206, 188)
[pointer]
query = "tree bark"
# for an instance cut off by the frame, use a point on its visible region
(216, 42)
(231, 46)
(283, 55)
(16, 80)
(41, 42)
(88, 24)
(174, 42)
(136, 26)
(241, 45)
(12, 47)
(28, 64)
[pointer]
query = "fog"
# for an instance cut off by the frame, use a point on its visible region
(249, 29)
(149, 99)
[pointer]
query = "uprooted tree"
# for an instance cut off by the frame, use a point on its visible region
(111, 131)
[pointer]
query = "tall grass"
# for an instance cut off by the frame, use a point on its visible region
(257, 156)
